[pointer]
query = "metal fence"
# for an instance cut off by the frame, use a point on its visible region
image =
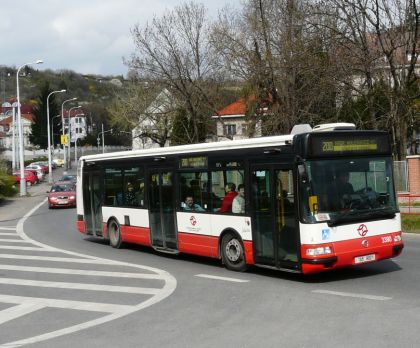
(401, 176)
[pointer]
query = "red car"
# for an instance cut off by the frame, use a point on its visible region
(30, 177)
(62, 194)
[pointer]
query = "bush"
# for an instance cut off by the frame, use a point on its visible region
(7, 185)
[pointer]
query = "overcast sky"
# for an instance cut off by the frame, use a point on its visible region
(86, 36)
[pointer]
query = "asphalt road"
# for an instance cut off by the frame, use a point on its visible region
(184, 301)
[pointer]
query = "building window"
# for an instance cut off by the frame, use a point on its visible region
(229, 129)
(244, 127)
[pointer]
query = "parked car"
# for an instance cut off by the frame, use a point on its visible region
(38, 170)
(44, 167)
(69, 177)
(45, 163)
(59, 162)
(62, 194)
(30, 177)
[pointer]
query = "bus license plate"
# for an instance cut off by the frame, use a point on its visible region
(364, 258)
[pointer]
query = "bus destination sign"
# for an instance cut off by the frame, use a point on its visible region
(193, 162)
(335, 144)
(349, 145)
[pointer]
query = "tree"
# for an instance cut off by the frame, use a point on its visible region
(175, 52)
(270, 45)
(39, 132)
(376, 41)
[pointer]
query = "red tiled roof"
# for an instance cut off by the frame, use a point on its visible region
(236, 108)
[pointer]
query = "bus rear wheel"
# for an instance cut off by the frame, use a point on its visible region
(114, 234)
(233, 253)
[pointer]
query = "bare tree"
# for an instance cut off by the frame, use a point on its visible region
(272, 46)
(378, 41)
(146, 109)
(175, 51)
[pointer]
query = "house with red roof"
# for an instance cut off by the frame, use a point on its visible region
(6, 124)
(231, 122)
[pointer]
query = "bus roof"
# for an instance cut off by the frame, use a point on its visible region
(278, 140)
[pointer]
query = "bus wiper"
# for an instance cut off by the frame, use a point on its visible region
(361, 214)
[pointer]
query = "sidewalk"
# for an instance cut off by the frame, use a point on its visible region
(14, 208)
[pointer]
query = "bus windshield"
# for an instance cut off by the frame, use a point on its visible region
(345, 190)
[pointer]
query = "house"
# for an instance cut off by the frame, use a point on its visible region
(156, 122)
(78, 124)
(6, 123)
(231, 122)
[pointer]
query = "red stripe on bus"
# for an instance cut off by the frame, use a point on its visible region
(198, 244)
(81, 226)
(382, 246)
(249, 254)
(137, 235)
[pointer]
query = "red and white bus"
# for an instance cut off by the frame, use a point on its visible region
(296, 215)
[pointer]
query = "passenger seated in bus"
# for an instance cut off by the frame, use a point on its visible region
(238, 204)
(189, 205)
(228, 199)
(130, 196)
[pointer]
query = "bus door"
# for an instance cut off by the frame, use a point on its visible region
(162, 208)
(274, 217)
(92, 193)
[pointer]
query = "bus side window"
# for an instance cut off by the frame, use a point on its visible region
(193, 184)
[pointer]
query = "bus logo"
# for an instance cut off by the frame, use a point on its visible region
(362, 230)
(193, 221)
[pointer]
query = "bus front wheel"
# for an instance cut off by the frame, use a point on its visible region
(233, 253)
(114, 234)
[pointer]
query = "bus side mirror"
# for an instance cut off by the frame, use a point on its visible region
(303, 175)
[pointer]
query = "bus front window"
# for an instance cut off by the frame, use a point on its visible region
(345, 190)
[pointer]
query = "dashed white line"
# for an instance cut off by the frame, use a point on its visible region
(350, 294)
(235, 280)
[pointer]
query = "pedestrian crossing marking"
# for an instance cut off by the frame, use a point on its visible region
(80, 272)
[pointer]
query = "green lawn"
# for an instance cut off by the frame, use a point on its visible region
(411, 223)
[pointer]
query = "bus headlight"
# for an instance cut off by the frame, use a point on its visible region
(397, 238)
(325, 250)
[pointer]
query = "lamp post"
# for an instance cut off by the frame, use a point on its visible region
(52, 130)
(49, 135)
(62, 127)
(75, 140)
(103, 137)
(20, 128)
(69, 156)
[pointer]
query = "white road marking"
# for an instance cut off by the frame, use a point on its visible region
(57, 259)
(13, 240)
(18, 311)
(11, 247)
(8, 234)
(80, 286)
(79, 272)
(236, 280)
(8, 228)
(350, 294)
(116, 311)
(65, 304)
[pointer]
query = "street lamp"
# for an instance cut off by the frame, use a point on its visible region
(103, 137)
(20, 128)
(75, 141)
(62, 127)
(52, 130)
(69, 114)
(49, 135)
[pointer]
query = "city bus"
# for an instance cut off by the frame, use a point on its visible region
(296, 214)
